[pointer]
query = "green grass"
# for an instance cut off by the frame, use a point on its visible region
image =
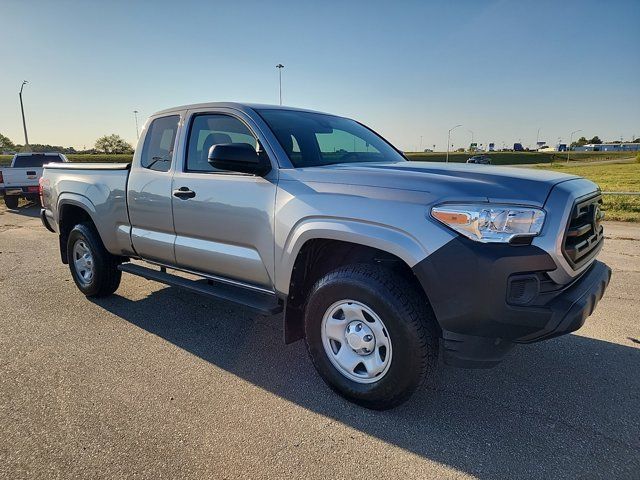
(612, 177)
(521, 158)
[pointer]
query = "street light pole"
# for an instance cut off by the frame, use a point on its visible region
(449, 140)
(538, 138)
(280, 67)
(570, 142)
(471, 132)
(135, 115)
(24, 123)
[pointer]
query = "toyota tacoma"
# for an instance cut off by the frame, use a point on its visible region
(384, 267)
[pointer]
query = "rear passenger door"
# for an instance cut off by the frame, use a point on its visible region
(149, 191)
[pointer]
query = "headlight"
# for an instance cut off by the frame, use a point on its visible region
(490, 223)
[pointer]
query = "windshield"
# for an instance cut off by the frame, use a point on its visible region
(315, 139)
(35, 160)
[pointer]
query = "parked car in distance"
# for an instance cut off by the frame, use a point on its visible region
(481, 159)
(381, 265)
(22, 178)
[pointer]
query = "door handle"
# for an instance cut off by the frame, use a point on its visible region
(184, 193)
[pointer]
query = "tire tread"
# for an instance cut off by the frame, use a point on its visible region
(108, 275)
(417, 313)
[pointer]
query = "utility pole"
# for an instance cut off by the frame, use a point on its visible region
(538, 138)
(135, 115)
(24, 123)
(570, 142)
(472, 135)
(449, 141)
(280, 67)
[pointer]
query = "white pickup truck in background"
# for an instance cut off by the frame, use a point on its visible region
(22, 177)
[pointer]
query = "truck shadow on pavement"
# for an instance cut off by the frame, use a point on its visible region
(29, 210)
(568, 407)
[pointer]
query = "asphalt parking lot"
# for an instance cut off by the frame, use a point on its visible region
(155, 382)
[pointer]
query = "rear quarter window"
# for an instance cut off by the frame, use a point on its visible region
(157, 150)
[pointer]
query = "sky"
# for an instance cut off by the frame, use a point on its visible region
(409, 70)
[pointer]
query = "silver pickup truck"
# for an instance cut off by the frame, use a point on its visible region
(383, 266)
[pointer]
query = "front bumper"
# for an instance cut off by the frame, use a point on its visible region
(470, 288)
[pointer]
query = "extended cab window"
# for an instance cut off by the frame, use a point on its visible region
(157, 151)
(211, 129)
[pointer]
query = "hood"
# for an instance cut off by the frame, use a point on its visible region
(448, 181)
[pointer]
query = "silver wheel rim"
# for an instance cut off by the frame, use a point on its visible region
(356, 341)
(83, 262)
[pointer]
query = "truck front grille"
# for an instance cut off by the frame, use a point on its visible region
(584, 232)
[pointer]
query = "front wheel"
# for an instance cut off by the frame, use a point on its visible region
(93, 268)
(371, 335)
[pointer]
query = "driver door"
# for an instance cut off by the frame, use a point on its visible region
(226, 228)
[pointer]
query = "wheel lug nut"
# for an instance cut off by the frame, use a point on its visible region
(367, 338)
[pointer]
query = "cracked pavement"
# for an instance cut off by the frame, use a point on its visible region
(155, 382)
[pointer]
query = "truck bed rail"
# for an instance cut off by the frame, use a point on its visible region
(87, 166)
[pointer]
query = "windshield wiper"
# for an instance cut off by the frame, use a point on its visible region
(156, 160)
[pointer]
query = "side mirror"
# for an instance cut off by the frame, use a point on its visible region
(238, 157)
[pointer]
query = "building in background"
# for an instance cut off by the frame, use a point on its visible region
(609, 147)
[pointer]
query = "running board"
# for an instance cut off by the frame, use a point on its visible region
(264, 303)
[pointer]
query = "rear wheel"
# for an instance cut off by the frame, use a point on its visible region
(371, 335)
(93, 268)
(11, 201)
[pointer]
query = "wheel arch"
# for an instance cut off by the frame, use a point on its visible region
(367, 234)
(318, 256)
(73, 209)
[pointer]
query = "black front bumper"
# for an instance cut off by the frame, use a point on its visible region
(470, 287)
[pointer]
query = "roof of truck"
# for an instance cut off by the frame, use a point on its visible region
(244, 107)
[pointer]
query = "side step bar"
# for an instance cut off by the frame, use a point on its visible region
(264, 303)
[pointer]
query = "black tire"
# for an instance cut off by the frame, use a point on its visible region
(11, 201)
(409, 320)
(106, 276)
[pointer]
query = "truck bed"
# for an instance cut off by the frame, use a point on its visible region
(99, 188)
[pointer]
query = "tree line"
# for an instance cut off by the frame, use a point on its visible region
(109, 144)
